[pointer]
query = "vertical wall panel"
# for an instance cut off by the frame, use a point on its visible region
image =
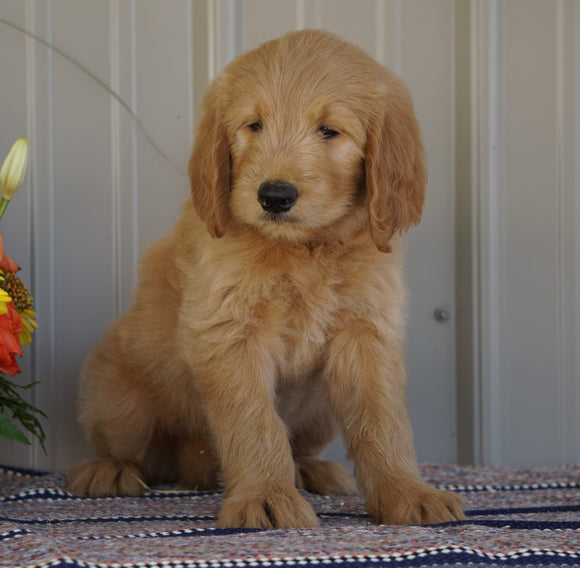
(426, 65)
(82, 206)
(264, 20)
(529, 237)
(42, 179)
(124, 149)
(529, 355)
(163, 104)
(487, 179)
(568, 235)
(354, 21)
(388, 30)
(570, 207)
(13, 124)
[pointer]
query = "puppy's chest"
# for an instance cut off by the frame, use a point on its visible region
(303, 307)
(300, 314)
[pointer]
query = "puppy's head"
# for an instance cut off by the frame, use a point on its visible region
(307, 137)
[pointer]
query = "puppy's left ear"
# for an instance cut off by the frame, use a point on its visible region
(209, 166)
(395, 167)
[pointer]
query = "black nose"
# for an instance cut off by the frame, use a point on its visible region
(277, 196)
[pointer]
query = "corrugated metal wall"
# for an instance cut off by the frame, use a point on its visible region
(497, 91)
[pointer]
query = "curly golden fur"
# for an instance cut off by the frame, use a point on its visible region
(271, 318)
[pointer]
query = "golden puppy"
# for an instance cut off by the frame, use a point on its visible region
(272, 317)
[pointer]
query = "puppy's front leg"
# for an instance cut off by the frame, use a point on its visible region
(366, 381)
(236, 381)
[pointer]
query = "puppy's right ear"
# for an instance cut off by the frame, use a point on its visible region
(209, 166)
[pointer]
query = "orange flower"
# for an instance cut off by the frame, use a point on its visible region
(6, 263)
(10, 328)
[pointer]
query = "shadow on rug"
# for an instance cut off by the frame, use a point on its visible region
(515, 517)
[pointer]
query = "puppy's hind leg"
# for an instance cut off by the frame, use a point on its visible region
(323, 477)
(198, 464)
(316, 428)
(119, 469)
(119, 420)
(106, 477)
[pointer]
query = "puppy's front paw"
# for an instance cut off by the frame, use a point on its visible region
(105, 478)
(413, 503)
(268, 507)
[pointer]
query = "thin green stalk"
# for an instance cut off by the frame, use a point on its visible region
(3, 205)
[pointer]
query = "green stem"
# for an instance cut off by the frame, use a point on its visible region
(3, 205)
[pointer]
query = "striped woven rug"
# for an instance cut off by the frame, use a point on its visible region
(515, 517)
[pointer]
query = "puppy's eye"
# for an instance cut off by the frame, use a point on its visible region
(256, 126)
(327, 133)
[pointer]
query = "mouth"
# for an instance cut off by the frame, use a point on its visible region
(278, 218)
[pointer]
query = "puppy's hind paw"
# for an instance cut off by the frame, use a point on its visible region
(105, 478)
(414, 503)
(269, 508)
(323, 477)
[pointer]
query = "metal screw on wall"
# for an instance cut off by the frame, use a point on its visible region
(442, 314)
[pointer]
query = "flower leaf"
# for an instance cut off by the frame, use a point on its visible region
(10, 431)
(22, 412)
